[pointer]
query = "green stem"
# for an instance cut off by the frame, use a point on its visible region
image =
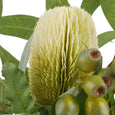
(2, 96)
(110, 97)
(84, 44)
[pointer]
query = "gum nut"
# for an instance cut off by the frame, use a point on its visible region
(57, 40)
(96, 106)
(112, 87)
(95, 86)
(67, 105)
(88, 60)
(107, 75)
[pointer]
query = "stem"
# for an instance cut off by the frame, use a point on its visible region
(2, 107)
(2, 95)
(110, 109)
(84, 44)
(111, 62)
(110, 97)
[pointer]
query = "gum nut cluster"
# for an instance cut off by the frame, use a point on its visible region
(89, 60)
(59, 36)
(94, 86)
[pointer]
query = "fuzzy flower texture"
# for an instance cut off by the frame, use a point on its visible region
(59, 36)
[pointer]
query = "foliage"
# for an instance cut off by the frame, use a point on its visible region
(90, 5)
(108, 7)
(105, 37)
(7, 57)
(81, 97)
(0, 8)
(17, 25)
(14, 90)
(17, 90)
(53, 3)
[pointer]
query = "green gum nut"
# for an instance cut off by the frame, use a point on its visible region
(67, 105)
(109, 78)
(88, 60)
(96, 106)
(95, 86)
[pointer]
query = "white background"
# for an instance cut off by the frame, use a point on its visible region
(36, 8)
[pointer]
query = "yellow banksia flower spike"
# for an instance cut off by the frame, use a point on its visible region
(59, 36)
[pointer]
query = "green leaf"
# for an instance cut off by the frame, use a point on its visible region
(25, 55)
(113, 104)
(17, 90)
(53, 3)
(90, 5)
(18, 25)
(108, 7)
(81, 98)
(4, 108)
(105, 38)
(1, 5)
(7, 57)
(4, 103)
(43, 111)
(2, 112)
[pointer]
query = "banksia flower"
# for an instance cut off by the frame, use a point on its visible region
(59, 36)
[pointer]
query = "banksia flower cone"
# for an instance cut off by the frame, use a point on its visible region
(59, 36)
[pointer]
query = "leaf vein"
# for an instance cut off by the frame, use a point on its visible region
(18, 95)
(16, 27)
